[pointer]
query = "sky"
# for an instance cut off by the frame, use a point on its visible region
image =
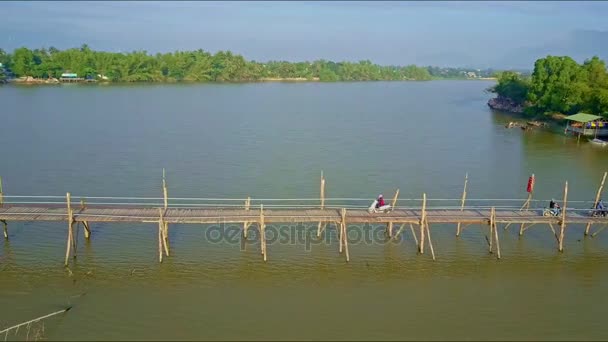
(500, 34)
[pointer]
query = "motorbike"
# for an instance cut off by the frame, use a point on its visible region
(383, 209)
(552, 212)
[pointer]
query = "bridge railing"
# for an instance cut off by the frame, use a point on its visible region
(283, 203)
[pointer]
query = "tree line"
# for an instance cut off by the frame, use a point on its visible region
(558, 84)
(195, 66)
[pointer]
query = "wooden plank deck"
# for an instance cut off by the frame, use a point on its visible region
(231, 215)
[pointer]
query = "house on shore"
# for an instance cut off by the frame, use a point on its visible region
(587, 125)
(70, 77)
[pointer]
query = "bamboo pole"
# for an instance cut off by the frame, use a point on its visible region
(321, 228)
(160, 242)
(5, 229)
(414, 235)
(389, 229)
(1, 193)
(428, 235)
(598, 231)
(401, 227)
(340, 235)
(597, 199)
(491, 230)
(262, 232)
(165, 190)
(322, 191)
(464, 196)
(322, 225)
(87, 230)
(394, 202)
(345, 234)
(246, 223)
(85, 224)
(422, 220)
(496, 233)
(34, 320)
(563, 223)
(70, 242)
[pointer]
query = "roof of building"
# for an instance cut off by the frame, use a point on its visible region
(582, 117)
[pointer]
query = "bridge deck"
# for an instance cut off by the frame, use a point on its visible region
(231, 215)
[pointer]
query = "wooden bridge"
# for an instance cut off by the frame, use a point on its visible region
(81, 210)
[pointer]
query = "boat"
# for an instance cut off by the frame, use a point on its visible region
(598, 142)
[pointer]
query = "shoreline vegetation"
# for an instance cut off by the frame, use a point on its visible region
(46, 66)
(557, 87)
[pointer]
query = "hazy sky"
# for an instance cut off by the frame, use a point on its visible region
(475, 33)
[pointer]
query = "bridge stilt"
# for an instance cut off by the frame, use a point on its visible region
(166, 238)
(87, 230)
(428, 235)
(597, 199)
(71, 242)
(160, 241)
(344, 233)
(422, 223)
(414, 235)
(321, 228)
(262, 232)
(246, 224)
(389, 229)
(464, 196)
(563, 223)
(5, 229)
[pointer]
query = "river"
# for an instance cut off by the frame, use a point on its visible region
(271, 140)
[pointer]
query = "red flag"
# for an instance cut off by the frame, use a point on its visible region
(530, 187)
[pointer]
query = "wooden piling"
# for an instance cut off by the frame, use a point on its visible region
(163, 226)
(246, 223)
(428, 235)
(345, 234)
(1, 193)
(491, 230)
(5, 229)
(165, 190)
(322, 191)
(597, 199)
(394, 202)
(563, 223)
(495, 228)
(70, 242)
(321, 228)
(414, 235)
(464, 196)
(85, 224)
(422, 220)
(262, 232)
(389, 229)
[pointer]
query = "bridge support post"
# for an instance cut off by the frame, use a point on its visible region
(5, 229)
(71, 242)
(464, 196)
(428, 235)
(494, 233)
(1, 193)
(166, 200)
(246, 224)
(597, 199)
(344, 234)
(85, 224)
(563, 223)
(262, 232)
(422, 224)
